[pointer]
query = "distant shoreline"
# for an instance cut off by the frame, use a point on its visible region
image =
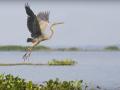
(45, 48)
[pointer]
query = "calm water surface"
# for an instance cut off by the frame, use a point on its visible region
(100, 68)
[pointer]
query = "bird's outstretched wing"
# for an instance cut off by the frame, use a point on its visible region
(43, 16)
(32, 22)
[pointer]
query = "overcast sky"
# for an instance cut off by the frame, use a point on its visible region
(85, 22)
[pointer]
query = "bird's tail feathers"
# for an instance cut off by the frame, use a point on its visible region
(29, 39)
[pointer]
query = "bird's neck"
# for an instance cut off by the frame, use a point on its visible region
(48, 36)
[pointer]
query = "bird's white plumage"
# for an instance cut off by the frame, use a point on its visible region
(43, 25)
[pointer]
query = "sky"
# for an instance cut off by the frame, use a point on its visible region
(86, 22)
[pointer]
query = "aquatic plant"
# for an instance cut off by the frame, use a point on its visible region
(61, 62)
(62, 85)
(9, 82)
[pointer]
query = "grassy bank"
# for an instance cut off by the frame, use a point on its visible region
(45, 48)
(37, 48)
(21, 48)
(10, 82)
(49, 63)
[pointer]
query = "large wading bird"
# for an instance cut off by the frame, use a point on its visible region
(37, 25)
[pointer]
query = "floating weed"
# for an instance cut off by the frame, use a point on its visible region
(62, 62)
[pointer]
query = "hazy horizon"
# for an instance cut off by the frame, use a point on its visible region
(85, 23)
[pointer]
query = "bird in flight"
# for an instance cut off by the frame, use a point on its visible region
(37, 24)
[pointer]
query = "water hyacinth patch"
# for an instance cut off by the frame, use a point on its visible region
(9, 82)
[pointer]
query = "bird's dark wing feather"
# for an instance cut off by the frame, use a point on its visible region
(32, 23)
(43, 16)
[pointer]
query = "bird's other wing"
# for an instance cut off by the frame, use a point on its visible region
(43, 16)
(32, 22)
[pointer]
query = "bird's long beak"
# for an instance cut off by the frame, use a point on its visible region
(60, 23)
(57, 23)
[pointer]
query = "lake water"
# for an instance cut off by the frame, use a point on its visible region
(100, 68)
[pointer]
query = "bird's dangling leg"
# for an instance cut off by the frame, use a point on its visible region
(29, 51)
(27, 54)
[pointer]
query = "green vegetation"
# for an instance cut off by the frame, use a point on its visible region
(68, 49)
(37, 48)
(61, 62)
(52, 62)
(112, 48)
(9, 82)
(21, 48)
(45, 48)
(62, 85)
